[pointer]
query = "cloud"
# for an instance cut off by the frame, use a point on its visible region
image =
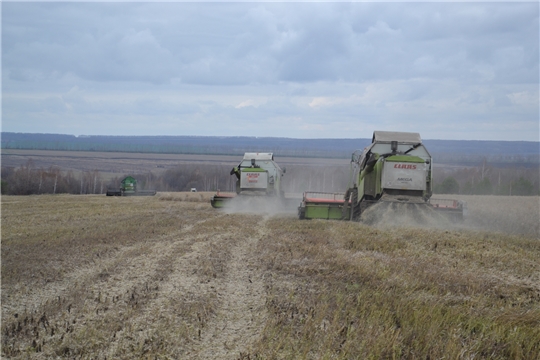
(528, 98)
(251, 103)
(214, 43)
(319, 102)
(287, 69)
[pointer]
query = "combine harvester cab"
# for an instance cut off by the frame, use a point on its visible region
(257, 175)
(128, 187)
(396, 168)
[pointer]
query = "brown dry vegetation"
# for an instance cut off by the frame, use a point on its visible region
(170, 277)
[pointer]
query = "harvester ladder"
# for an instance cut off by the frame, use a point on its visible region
(345, 204)
(354, 206)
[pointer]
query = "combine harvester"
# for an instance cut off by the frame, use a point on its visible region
(128, 187)
(395, 170)
(257, 175)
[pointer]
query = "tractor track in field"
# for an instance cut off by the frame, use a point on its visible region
(217, 270)
(108, 272)
(200, 285)
(242, 313)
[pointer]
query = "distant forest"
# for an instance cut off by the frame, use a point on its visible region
(460, 152)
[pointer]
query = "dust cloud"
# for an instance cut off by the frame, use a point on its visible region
(518, 215)
(486, 214)
(509, 215)
(393, 214)
(261, 205)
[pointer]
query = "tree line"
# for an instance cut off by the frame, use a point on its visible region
(486, 179)
(29, 179)
(480, 180)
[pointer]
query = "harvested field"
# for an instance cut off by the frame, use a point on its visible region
(117, 163)
(170, 277)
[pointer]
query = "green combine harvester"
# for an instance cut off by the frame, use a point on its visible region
(256, 175)
(396, 169)
(128, 187)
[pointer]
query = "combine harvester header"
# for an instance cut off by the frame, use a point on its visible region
(396, 168)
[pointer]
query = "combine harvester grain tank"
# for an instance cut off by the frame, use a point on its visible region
(395, 169)
(256, 175)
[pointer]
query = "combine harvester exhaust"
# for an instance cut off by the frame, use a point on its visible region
(257, 175)
(395, 169)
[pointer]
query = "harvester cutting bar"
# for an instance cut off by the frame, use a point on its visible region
(319, 205)
(142, 193)
(454, 208)
(321, 197)
(220, 199)
(120, 192)
(445, 203)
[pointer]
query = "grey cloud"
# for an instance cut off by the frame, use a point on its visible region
(269, 43)
(347, 65)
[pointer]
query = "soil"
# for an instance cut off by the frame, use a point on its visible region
(170, 277)
(194, 293)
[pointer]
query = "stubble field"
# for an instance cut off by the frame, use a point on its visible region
(169, 277)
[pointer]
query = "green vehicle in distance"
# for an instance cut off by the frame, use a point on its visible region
(256, 175)
(128, 187)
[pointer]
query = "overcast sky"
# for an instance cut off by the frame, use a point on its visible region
(300, 70)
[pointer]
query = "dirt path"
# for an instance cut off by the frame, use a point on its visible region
(242, 313)
(213, 274)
